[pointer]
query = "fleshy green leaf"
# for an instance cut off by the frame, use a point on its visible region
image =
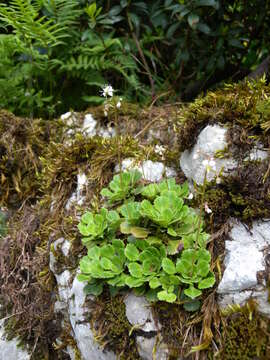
(134, 282)
(94, 253)
(165, 296)
(136, 231)
(106, 263)
(174, 247)
(93, 289)
(135, 270)
(207, 282)
(154, 283)
(131, 252)
(193, 305)
(84, 277)
(192, 292)
(131, 211)
(168, 266)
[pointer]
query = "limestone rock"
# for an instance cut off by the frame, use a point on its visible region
(89, 125)
(139, 313)
(77, 196)
(146, 348)
(244, 259)
(9, 349)
(211, 139)
(151, 171)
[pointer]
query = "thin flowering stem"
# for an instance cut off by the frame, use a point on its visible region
(201, 210)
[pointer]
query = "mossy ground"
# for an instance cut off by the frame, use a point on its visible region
(245, 334)
(39, 167)
(111, 327)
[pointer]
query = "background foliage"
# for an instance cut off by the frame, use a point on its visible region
(56, 54)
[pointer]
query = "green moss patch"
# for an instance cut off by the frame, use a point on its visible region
(245, 104)
(111, 327)
(245, 335)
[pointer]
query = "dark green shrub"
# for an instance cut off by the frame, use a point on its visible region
(56, 54)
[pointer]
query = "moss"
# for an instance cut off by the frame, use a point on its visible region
(245, 335)
(22, 141)
(111, 326)
(242, 104)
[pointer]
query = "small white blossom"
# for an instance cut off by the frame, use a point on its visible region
(190, 196)
(119, 103)
(218, 180)
(212, 163)
(159, 149)
(207, 209)
(107, 91)
(205, 162)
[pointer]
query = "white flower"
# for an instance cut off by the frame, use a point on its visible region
(205, 162)
(207, 209)
(190, 196)
(159, 149)
(119, 103)
(212, 163)
(107, 91)
(218, 180)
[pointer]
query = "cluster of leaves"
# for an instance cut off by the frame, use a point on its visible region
(55, 54)
(155, 245)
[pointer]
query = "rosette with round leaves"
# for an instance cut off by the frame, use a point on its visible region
(166, 210)
(122, 186)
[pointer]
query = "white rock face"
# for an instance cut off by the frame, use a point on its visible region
(258, 154)
(71, 304)
(152, 349)
(108, 132)
(139, 313)
(151, 171)
(77, 196)
(242, 263)
(9, 349)
(245, 257)
(211, 139)
(89, 125)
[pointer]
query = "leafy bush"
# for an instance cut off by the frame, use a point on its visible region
(156, 246)
(55, 55)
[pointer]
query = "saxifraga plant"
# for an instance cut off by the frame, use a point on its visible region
(151, 241)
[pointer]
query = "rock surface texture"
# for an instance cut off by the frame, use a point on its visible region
(211, 139)
(153, 171)
(139, 315)
(246, 261)
(9, 349)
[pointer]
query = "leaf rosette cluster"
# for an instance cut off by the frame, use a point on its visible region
(150, 241)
